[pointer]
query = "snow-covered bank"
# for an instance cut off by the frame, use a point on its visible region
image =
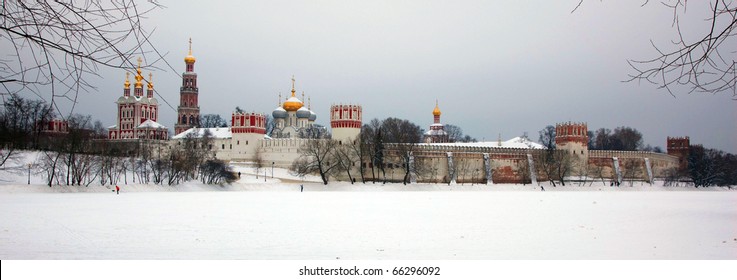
(277, 186)
(14, 178)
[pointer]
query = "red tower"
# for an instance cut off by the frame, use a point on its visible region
(679, 147)
(188, 112)
(345, 120)
(572, 137)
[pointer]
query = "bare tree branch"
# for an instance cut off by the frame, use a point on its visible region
(56, 46)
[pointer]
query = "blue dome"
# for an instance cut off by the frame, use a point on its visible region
(303, 113)
(279, 113)
(313, 116)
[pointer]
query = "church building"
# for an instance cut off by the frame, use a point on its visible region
(436, 133)
(293, 120)
(137, 114)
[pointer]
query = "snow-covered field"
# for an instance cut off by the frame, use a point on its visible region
(368, 225)
(253, 219)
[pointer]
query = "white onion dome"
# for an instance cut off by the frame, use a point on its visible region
(303, 113)
(279, 113)
(313, 116)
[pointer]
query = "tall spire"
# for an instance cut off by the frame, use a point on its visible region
(303, 96)
(293, 86)
(279, 100)
(150, 81)
(190, 45)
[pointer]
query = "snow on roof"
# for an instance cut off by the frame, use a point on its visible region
(435, 132)
(151, 124)
(514, 143)
(215, 132)
(112, 126)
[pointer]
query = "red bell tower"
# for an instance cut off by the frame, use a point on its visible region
(188, 112)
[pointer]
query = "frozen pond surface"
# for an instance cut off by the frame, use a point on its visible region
(369, 225)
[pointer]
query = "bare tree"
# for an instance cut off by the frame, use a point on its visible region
(555, 164)
(703, 63)
(360, 153)
(463, 168)
(50, 166)
(21, 122)
(345, 159)
(215, 171)
(597, 170)
(455, 133)
(523, 167)
(631, 169)
(56, 45)
(316, 156)
(212, 120)
(372, 144)
(406, 134)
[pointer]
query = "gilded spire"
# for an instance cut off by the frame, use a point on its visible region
(127, 83)
(303, 96)
(139, 78)
(293, 86)
(150, 81)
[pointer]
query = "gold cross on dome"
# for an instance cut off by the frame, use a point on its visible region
(139, 62)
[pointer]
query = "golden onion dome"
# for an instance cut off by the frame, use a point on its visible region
(436, 111)
(139, 78)
(189, 58)
(292, 104)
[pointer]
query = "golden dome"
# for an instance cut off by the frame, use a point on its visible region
(293, 103)
(139, 78)
(436, 111)
(189, 58)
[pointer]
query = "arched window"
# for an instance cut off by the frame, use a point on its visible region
(184, 119)
(191, 119)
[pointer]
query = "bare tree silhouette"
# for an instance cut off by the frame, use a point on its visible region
(52, 48)
(706, 64)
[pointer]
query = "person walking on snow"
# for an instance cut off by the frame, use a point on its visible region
(301, 188)
(542, 188)
(117, 189)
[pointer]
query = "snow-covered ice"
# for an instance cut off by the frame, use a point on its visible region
(288, 224)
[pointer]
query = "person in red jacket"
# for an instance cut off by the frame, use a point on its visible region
(117, 189)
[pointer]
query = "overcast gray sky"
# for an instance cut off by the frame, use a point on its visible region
(496, 67)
